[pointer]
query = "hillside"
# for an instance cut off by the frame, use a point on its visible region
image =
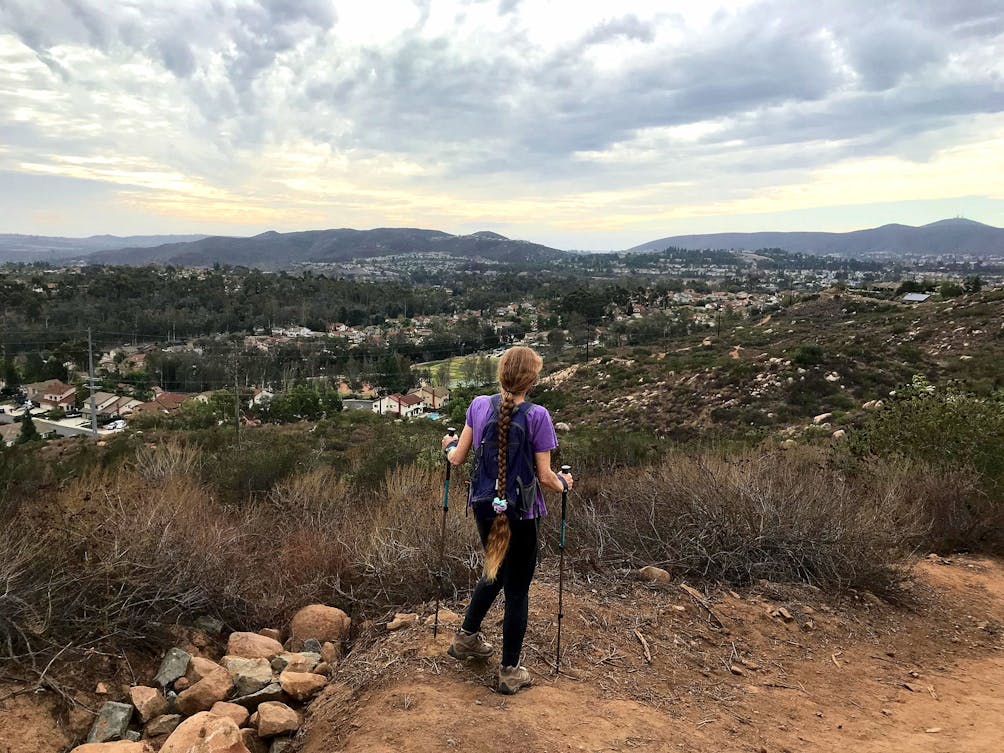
(829, 353)
(274, 250)
(955, 236)
(30, 248)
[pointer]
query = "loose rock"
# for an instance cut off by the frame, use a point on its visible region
(200, 669)
(111, 724)
(203, 694)
(162, 725)
(148, 702)
(655, 574)
(312, 646)
(271, 633)
(301, 685)
(205, 733)
(320, 622)
(822, 418)
(402, 620)
(302, 662)
(276, 718)
(271, 692)
(210, 624)
(249, 675)
(253, 646)
(173, 666)
(231, 710)
(121, 746)
(280, 744)
(446, 617)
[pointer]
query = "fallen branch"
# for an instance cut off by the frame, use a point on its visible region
(644, 645)
(701, 601)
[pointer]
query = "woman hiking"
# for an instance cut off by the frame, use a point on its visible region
(512, 440)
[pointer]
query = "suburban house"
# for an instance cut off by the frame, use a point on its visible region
(51, 394)
(404, 406)
(163, 402)
(433, 398)
(107, 404)
(261, 396)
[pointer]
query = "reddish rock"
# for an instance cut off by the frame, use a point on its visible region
(120, 746)
(330, 652)
(205, 733)
(203, 694)
(301, 685)
(323, 669)
(252, 646)
(275, 718)
(182, 683)
(230, 710)
(199, 669)
(148, 702)
(271, 633)
(320, 622)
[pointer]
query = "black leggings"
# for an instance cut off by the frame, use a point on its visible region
(514, 577)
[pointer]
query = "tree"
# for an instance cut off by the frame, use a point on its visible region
(441, 378)
(556, 339)
(972, 284)
(28, 431)
(950, 289)
(12, 380)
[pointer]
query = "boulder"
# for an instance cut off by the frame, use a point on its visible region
(111, 723)
(253, 646)
(205, 733)
(276, 718)
(301, 685)
(822, 418)
(162, 725)
(252, 742)
(203, 694)
(172, 666)
(249, 675)
(231, 710)
(839, 435)
(200, 669)
(271, 692)
(562, 426)
(301, 662)
(320, 622)
(654, 574)
(788, 444)
(402, 620)
(148, 702)
(121, 746)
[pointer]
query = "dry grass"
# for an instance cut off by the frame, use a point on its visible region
(777, 516)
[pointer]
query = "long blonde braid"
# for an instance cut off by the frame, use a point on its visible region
(518, 370)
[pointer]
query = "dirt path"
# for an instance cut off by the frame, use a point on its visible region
(927, 679)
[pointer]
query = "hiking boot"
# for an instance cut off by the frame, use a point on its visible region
(469, 646)
(513, 679)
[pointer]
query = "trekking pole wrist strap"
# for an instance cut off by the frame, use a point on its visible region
(564, 484)
(452, 445)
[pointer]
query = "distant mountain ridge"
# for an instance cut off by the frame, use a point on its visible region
(31, 248)
(956, 236)
(273, 250)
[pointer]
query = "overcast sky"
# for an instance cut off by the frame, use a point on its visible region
(573, 123)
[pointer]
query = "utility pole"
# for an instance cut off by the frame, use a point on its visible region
(90, 382)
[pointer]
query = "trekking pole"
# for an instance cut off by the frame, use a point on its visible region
(442, 534)
(561, 567)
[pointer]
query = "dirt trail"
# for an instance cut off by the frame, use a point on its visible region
(927, 677)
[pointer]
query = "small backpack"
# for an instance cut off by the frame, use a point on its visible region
(521, 473)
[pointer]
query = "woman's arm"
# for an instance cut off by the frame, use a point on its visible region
(458, 454)
(548, 478)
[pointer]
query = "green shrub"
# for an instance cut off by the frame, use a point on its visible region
(809, 354)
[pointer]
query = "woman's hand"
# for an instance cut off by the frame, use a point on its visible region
(567, 478)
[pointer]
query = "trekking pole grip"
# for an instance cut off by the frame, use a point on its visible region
(449, 466)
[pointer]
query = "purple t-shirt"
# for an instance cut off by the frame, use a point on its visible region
(540, 430)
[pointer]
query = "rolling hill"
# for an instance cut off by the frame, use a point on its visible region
(31, 248)
(274, 250)
(956, 236)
